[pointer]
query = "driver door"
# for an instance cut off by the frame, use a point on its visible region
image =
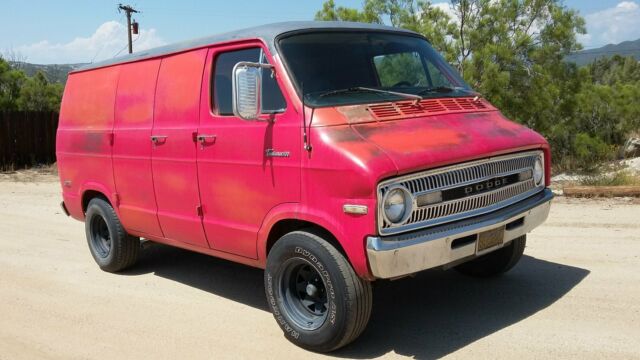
(239, 181)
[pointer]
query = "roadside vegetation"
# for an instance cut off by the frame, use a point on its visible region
(514, 53)
(29, 93)
(622, 178)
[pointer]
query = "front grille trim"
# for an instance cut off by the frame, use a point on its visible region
(457, 176)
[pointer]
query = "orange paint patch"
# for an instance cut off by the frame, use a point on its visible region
(406, 137)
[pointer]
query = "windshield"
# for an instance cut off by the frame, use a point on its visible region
(337, 68)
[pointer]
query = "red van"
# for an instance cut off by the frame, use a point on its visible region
(330, 154)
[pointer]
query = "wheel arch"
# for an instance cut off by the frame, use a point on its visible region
(94, 190)
(89, 195)
(290, 217)
(285, 226)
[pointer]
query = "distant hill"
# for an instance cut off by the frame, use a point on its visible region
(55, 73)
(626, 48)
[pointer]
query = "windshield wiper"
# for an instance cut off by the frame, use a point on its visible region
(361, 89)
(446, 89)
(440, 89)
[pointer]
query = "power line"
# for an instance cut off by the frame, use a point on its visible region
(124, 47)
(104, 45)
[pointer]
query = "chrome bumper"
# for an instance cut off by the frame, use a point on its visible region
(403, 254)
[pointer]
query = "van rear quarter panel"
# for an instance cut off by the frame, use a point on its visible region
(83, 142)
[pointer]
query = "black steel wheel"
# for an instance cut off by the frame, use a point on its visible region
(100, 236)
(314, 294)
(304, 293)
(110, 245)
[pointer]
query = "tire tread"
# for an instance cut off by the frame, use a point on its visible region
(357, 292)
(127, 246)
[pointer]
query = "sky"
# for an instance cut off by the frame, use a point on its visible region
(67, 31)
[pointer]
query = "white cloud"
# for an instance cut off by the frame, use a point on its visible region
(446, 8)
(612, 25)
(104, 43)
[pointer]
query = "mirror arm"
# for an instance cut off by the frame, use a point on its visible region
(256, 65)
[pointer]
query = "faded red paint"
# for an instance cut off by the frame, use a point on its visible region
(132, 148)
(241, 193)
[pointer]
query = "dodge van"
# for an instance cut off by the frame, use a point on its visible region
(329, 154)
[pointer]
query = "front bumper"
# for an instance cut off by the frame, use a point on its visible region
(449, 244)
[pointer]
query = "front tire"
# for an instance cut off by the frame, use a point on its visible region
(314, 294)
(110, 245)
(497, 262)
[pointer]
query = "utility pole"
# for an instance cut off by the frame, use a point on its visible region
(129, 10)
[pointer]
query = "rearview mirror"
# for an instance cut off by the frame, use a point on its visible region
(246, 85)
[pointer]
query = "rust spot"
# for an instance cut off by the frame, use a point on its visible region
(476, 115)
(406, 137)
(350, 141)
(356, 113)
(95, 142)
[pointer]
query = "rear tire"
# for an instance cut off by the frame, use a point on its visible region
(315, 296)
(497, 262)
(110, 245)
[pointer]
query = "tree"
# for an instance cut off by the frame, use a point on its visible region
(370, 13)
(10, 82)
(513, 51)
(37, 94)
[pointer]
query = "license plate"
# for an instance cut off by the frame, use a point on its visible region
(490, 238)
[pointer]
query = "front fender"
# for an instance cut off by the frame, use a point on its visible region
(350, 230)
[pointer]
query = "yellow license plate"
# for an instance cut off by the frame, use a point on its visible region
(490, 238)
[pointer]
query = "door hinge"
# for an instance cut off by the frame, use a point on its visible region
(116, 199)
(199, 210)
(111, 138)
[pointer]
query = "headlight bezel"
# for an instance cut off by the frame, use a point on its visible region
(408, 204)
(539, 161)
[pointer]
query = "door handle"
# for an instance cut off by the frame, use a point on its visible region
(158, 138)
(202, 139)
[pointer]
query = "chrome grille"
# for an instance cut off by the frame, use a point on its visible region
(458, 176)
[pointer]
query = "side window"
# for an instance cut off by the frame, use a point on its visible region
(400, 69)
(272, 99)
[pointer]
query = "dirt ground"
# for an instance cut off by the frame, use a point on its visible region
(576, 294)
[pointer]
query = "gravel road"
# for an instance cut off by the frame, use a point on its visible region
(576, 294)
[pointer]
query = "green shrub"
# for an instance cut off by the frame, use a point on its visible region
(590, 151)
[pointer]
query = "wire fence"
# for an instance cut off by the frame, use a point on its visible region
(27, 138)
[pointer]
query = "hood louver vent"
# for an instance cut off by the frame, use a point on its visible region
(404, 109)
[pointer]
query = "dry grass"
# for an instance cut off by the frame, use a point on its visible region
(40, 173)
(621, 178)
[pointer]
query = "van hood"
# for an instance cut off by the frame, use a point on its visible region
(420, 143)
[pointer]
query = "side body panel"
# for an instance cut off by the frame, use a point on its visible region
(239, 183)
(84, 137)
(173, 154)
(132, 147)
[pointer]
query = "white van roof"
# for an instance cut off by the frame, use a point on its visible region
(267, 33)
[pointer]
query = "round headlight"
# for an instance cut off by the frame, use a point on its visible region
(538, 171)
(397, 205)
